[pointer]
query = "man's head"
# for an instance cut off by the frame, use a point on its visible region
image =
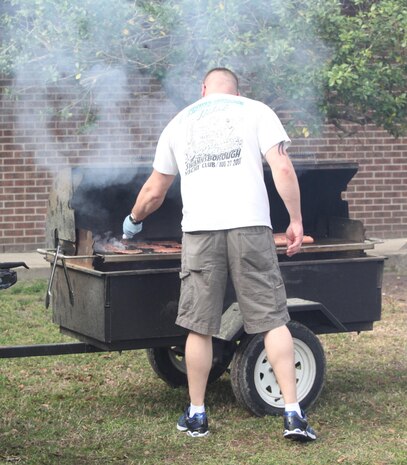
(220, 80)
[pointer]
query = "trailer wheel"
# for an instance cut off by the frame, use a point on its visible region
(254, 383)
(169, 362)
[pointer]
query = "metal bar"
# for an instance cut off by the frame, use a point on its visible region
(143, 272)
(333, 247)
(50, 253)
(316, 262)
(68, 282)
(144, 257)
(131, 344)
(40, 350)
(51, 279)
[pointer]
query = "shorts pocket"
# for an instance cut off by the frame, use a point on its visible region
(256, 253)
(186, 292)
(194, 263)
(199, 251)
(281, 297)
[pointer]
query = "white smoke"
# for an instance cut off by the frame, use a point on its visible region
(95, 97)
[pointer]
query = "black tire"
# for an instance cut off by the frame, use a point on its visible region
(254, 383)
(169, 362)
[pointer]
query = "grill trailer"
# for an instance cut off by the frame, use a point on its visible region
(110, 299)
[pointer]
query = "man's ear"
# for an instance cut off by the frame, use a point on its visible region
(203, 90)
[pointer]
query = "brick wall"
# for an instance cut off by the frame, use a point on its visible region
(377, 195)
(36, 141)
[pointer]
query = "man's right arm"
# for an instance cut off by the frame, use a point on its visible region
(149, 199)
(152, 194)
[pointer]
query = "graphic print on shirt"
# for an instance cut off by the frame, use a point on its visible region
(214, 136)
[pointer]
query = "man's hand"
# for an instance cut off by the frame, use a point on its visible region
(130, 229)
(295, 234)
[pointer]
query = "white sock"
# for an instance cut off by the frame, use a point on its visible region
(295, 407)
(196, 409)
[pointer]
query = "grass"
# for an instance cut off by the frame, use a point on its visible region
(110, 408)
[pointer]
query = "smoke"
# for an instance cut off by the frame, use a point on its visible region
(73, 59)
(70, 102)
(107, 239)
(276, 52)
(108, 91)
(75, 64)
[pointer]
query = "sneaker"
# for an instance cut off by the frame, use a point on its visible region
(297, 428)
(197, 426)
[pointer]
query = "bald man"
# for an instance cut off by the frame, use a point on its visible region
(217, 146)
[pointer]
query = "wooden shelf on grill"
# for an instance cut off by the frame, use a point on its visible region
(334, 245)
(319, 246)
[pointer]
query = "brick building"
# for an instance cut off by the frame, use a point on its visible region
(123, 127)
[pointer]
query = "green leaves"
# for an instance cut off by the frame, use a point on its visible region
(323, 59)
(367, 73)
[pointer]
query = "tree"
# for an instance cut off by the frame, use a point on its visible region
(323, 60)
(365, 81)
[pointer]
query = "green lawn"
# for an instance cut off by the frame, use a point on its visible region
(110, 408)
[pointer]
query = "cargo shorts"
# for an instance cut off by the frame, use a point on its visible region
(249, 256)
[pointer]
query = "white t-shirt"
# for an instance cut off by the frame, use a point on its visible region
(217, 145)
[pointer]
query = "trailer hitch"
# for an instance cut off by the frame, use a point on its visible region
(8, 277)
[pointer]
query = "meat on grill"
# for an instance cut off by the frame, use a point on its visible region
(167, 247)
(160, 247)
(281, 240)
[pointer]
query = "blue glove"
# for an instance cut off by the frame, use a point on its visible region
(131, 228)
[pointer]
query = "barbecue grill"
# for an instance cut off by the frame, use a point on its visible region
(114, 295)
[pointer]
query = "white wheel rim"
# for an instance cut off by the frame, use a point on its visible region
(177, 359)
(305, 372)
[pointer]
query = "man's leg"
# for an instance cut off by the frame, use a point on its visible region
(204, 276)
(280, 354)
(198, 358)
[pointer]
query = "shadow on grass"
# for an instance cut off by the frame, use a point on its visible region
(366, 380)
(366, 393)
(344, 387)
(152, 399)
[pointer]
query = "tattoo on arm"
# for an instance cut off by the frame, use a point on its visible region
(281, 149)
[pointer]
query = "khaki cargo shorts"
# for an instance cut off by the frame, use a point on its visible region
(249, 256)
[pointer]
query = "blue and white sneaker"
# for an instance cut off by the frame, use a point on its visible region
(297, 428)
(196, 427)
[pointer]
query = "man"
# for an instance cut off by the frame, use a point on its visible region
(216, 145)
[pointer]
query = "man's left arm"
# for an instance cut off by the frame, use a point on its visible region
(286, 182)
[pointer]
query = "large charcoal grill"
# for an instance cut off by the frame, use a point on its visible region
(130, 300)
